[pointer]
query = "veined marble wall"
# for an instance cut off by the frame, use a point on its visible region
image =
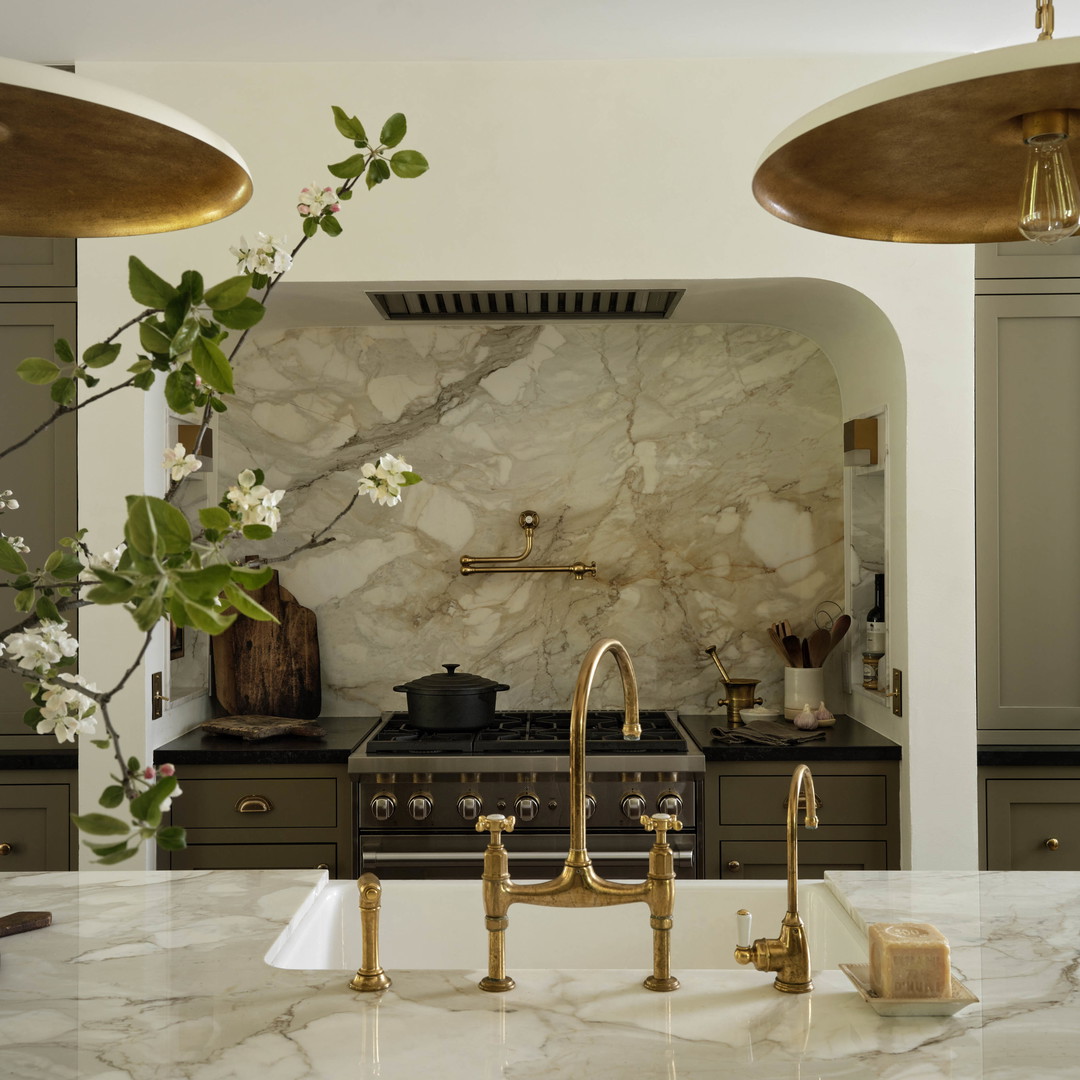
(699, 466)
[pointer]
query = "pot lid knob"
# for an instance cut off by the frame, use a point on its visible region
(451, 668)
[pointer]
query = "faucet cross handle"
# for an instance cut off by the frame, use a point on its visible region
(496, 824)
(661, 824)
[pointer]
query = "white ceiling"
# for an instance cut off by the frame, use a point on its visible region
(64, 31)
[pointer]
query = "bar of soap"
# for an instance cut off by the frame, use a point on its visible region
(21, 921)
(909, 960)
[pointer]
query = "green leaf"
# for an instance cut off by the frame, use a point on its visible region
(146, 287)
(107, 594)
(25, 600)
(408, 163)
(349, 126)
(208, 619)
(218, 405)
(63, 351)
(152, 336)
(393, 131)
(310, 226)
(412, 478)
(144, 380)
(180, 390)
(37, 370)
(100, 355)
(185, 337)
(251, 579)
(176, 312)
(46, 611)
(100, 824)
(101, 744)
(68, 568)
(10, 559)
(204, 585)
(171, 838)
(191, 285)
(212, 364)
(155, 527)
(148, 612)
(63, 391)
(247, 313)
(32, 717)
(350, 167)
(330, 225)
(378, 172)
(257, 532)
(228, 293)
(112, 796)
(246, 605)
(215, 517)
(118, 856)
(147, 804)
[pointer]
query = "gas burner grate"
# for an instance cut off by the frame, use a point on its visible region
(535, 732)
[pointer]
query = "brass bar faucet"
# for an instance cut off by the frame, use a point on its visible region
(370, 976)
(511, 564)
(578, 884)
(789, 954)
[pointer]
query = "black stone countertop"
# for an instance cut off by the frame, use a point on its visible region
(36, 752)
(1029, 754)
(847, 740)
(196, 747)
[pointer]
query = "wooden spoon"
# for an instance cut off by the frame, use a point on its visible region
(819, 644)
(778, 645)
(839, 629)
(794, 650)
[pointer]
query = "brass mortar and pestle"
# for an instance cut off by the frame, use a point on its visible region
(740, 692)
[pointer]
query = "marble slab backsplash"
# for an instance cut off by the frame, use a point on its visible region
(699, 466)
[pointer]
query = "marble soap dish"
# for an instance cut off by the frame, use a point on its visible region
(959, 999)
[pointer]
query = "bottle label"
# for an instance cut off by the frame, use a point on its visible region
(875, 637)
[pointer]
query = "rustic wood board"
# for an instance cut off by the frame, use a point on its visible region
(262, 727)
(270, 669)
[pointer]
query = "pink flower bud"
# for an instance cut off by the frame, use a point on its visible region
(335, 208)
(148, 772)
(166, 770)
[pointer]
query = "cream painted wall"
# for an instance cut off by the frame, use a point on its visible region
(624, 170)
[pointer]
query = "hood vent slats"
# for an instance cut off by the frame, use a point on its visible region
(478, 305)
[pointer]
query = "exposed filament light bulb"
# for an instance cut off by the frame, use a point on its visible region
(1050, 204)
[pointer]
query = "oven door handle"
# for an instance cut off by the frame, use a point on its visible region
(684, 855)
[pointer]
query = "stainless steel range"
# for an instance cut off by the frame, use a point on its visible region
(419, 794)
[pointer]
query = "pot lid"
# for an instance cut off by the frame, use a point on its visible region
(451, 681)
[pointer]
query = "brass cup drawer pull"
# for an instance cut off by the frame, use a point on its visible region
(1053, 843)
(253, 804)
(6, 849)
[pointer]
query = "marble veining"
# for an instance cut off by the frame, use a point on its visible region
(700, 467)
(159, 976)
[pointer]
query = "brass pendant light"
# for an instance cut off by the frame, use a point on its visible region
(79, 158)
(956, 152)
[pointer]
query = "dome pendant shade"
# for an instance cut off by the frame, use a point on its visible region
(81, 159)
(933, 156)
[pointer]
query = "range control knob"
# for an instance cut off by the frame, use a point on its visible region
(420, 806)
(633, 805)
(383, 806)
(669, 804)
(526, 807)
(469, 807)
(590, 806)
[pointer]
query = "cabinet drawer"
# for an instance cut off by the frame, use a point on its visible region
(744, 859)
(255, 857)
(300, 803)
(1022, 816)
(34, 827)
(842, 800)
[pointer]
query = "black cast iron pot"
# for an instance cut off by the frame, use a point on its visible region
(451, 701)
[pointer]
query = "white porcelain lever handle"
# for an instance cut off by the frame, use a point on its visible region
(742, 928)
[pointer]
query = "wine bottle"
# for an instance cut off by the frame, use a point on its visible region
(875, 619)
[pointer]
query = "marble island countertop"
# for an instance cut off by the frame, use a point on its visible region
(160, 976)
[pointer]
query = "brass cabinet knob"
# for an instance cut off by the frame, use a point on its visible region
(1053, 843)
(6, 849)
(735, 866)
(322, 866)
(253, 804)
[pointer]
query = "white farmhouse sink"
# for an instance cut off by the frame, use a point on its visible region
(439, 925)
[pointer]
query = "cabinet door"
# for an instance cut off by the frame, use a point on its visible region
(34, 831)
(36, 262)
(1023, 259)
(741, 859)
(1027, 512)
(1033, 824)
(256, 857)
(42, 474)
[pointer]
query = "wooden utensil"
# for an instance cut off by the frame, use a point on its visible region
(793, 650)
(819, 644)
(839, 629)
(778, 645)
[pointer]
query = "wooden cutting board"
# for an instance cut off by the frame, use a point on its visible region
(270, 669)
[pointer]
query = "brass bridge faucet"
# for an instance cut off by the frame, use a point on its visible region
(578, 885)
(789, 954)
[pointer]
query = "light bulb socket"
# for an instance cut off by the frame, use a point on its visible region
(1046, 126)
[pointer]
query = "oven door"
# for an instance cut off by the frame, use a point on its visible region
(532, 857)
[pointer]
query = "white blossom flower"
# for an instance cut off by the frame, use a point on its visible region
(179, 462)
(255, 503)
(314, 200)
(42, 646)
(166, 803)
(7, 502)
(383, 481)
(17, 542)
(65, 712)
(108, 560)
(268, 256)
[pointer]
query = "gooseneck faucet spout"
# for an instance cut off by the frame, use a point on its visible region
(578, 884)
(789, 954)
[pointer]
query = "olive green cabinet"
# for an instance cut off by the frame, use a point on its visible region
(1030, 817)
(745, 815)
(35, 826)
(264, 817)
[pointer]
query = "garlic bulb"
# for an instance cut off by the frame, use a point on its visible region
(806, 720)
(823, 716)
